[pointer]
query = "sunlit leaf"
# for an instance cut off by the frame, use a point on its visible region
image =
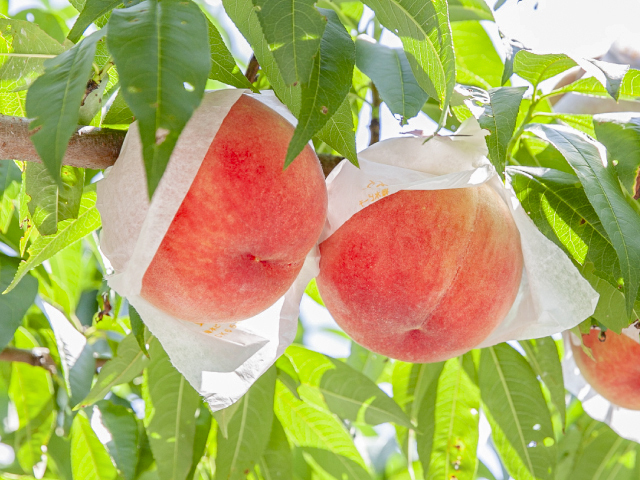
(499, 117)
(293, 29)
(124, 367)
(170, 411)
(597, 175)
(89, 458)
(448, 424)
(53, 101)
(248, 430)
(51, 202)
(518, 414)
(69, 231)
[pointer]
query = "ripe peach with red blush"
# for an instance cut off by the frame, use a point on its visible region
(423, 275)
(614, 371)
(242, 232)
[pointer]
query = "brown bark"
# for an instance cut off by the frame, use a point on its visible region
(94, 148)
(89, 147)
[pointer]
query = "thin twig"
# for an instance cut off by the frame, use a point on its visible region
(374, 125)
(37, 357)
(252, 69)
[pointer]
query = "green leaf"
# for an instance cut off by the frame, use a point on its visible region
(462, 10)
(59, 450)
(31, 392)
(223, 65)
(53, 101)
(248, 431)
(27, 47)
(14, 305)
(69, 231)
(124, 367)
(619, 219)
(293, 29)
(511, 48)
(620, 133)
(559, 207)
(581, 122)
(391, 73)
(170, 408)
(328, 85)
(448, 424)
(629, 88)
(9, 174)
(312, 291)
(611, 310)
(161, 50)
(423, 26)
(603, 454)
(203, 429)
(477, 62)
(348, 393)
(89, 458)
(542, 354)
(499, 117)
(613, 76)
(306, 426)
(93, 9)
(557, 204)
(367, 362)
(138, 329)
(119, 113)
(331, 466)
(518, 414)
(123, 446)
(49, 21)
(223, 418)
(277, 460)
(51, 202)
(338, 132)
(536, 68)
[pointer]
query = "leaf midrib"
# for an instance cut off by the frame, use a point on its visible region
(514, 412)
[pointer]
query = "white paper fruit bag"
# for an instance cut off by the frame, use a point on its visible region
(616, 376)
(421, 276)
(215, 264)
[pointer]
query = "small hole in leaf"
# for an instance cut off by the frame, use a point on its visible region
(532, 444)
(536, 427)
(188, 87)
(548, 442)
(161, 135)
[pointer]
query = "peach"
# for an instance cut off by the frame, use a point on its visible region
(421, 275)
(242, 232)
(615, 373)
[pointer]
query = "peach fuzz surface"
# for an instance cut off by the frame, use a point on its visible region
(423, 275)
(615, 373)
(241, 234)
